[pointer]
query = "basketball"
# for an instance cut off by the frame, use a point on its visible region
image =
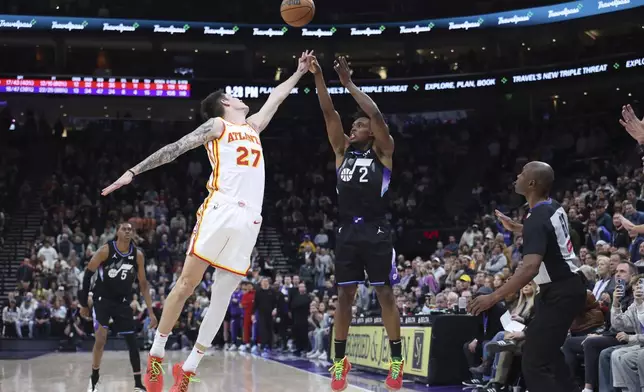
(297, 13)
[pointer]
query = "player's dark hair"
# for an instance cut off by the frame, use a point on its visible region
(359, 114)
(211, 106)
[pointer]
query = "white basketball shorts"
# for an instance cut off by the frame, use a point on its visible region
(225, 233)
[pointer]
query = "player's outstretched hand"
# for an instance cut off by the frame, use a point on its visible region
(84, 312)
(481, 303)
(315, 68)
(342, 68)
(632, 124)
(304, 62)
(507, 222)
(125, 179)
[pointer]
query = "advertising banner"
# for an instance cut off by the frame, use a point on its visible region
(368, 347)
(149, 87)
(499, 80)
(507, 19)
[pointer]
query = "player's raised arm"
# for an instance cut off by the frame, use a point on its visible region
(339, 141)
(99, 258)
(383, 140)
(209, 130)
(145, 287)
(260, 120)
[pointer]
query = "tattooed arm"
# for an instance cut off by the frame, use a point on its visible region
(209, 130)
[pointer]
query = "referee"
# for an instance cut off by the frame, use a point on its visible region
(548, 260)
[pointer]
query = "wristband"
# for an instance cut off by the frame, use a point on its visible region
(131, 171)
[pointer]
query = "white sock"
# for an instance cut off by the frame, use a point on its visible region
(190, 365)
(158, 346)
(587, 390)
(222, 288)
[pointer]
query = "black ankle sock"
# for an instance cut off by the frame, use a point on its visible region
(94, 377)
(396, 349)
(340, 348)
(137, 381)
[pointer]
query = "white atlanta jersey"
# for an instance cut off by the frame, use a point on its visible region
(237, 161)
(229, 220)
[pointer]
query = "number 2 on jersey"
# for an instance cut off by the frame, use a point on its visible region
(242, 158)
(363, 174)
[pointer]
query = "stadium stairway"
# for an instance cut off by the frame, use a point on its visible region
(269, 245)
(269, 242)
(22, 228)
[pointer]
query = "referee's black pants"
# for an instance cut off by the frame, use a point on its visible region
(556, 306)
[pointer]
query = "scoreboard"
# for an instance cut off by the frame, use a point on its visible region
(82, 85)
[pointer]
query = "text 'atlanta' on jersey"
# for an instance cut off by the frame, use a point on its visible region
(112, 289)
(363, 237)
(546, 233)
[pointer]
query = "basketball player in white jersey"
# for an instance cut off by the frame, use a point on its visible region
(228, 221)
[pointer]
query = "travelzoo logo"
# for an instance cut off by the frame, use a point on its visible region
(466, 25)
(612, 4)
(69, 26)
(270, 32)
(171, 29)
(565, 12)
(220, 31)
(368, 31)
(516, 19)
(17, 24)
(319, 32)
(121, 28)
(416, 29)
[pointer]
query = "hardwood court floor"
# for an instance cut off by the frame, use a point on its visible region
(222, 372)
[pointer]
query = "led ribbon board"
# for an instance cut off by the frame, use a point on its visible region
(507, 19)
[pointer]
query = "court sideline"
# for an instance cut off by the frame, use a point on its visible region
(224, 371)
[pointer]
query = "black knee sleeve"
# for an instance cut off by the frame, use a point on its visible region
(133, 347)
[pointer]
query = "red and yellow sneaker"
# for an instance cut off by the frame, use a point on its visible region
(394, 381)
(339, 372)
(153, 379)
(182, 379)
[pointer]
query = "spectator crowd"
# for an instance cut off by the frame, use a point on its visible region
(292, 308)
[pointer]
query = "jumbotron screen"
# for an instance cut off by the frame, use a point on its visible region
(84, 85)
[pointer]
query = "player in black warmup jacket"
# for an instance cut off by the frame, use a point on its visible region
(364, 162)
(119, 264)
(548, 260)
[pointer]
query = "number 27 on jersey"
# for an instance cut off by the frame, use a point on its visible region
(248, 157)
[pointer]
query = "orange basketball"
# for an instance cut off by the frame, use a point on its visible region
(297, 13)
